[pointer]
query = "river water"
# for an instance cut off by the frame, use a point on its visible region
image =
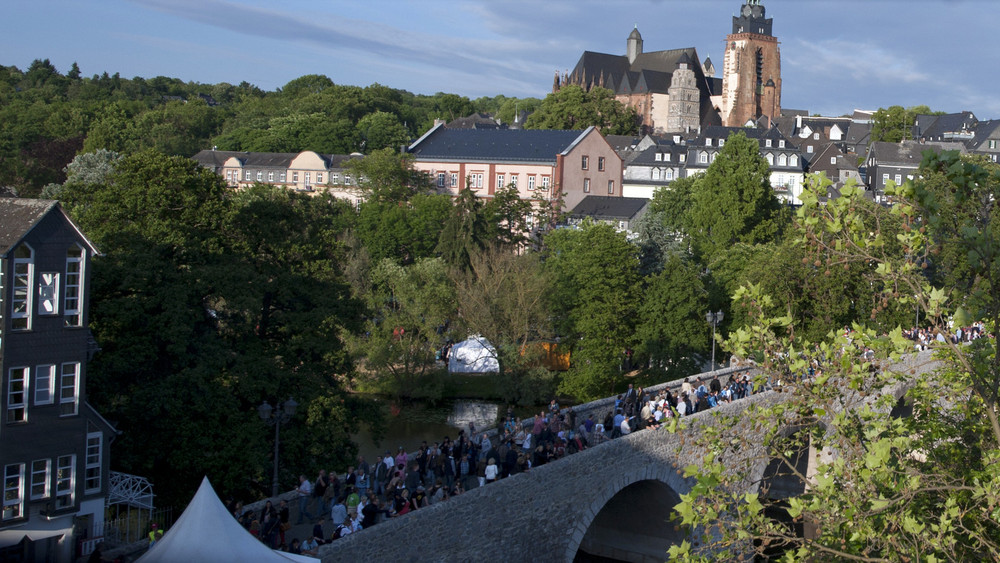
(410, 423)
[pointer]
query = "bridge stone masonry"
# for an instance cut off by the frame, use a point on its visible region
(614, 500)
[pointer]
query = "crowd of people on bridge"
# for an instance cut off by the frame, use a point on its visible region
(395, 485)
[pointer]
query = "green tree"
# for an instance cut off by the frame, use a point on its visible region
(506, 215)
(503, 296)
(465, 233)
(382, 130)
(388, 176)
(671, 329)
(205, 305)
(409, 310)
(403, 231)
(594, 273)
(573, 108)
(733, 200)
(884, 487)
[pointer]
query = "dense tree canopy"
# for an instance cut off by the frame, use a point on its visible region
(205, 305)
(573, 108)
(733, 200)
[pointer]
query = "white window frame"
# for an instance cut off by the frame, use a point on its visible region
(319, 177)
(65, 480)
(545, 183)
(93, 463)
(229, 176)
(703, 157)
(670, 173)
(770, 159)
(585, 162)
(247, 176)
(833, 160)
(500, 181)
(45, 384)
(781, 144)
(270, 176)
(782, 160)
(18, 387)
(898, 178)
(513, 180)
(48, 293)
(793, 160)
(658, 157)
(260, 175)
(13, 491)
(809, 149)
(722, 142)
(440, 179)
(600, 164)
(767, 143)
(69, 389)
(22, 296)
(73, 286)
(885, 179)
(41, 479)
(281, 177)
(611, 187)
(531, 182)
(708, 141)
(586, 185)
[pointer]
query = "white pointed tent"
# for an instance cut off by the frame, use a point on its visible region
(206, 531)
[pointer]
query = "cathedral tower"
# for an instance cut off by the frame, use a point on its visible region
(751, 69)
(685, 98)
(634, 48)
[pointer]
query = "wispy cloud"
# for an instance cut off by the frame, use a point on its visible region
(500, 57)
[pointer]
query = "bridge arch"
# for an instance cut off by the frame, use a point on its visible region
(629, 518)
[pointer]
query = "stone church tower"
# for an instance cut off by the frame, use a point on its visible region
(751, 69)
(685, 98)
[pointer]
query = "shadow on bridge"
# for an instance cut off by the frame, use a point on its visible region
(633, 526)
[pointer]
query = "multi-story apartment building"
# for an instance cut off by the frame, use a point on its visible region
(53, 445)
(544, 165)
(306, 171)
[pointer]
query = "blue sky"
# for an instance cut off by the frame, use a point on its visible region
(836, 56)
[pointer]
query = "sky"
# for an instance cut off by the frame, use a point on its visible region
(835, 56)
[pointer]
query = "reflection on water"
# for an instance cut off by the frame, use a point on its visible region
(410, 423)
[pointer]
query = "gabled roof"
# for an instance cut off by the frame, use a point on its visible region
(949, 124)
(19, 215)
(474, 121)
(908, 153)
(606, 207)
(523, 145)
(985, 130)
(215, 159)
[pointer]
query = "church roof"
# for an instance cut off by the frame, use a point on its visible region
(651, 71)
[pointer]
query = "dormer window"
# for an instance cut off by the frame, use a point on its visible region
(708, 142)
(722, 142)
(658, 157)
(666, 157)
(781, 144)
(767, 143)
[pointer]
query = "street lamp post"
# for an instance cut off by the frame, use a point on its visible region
(277, 417)
(713, 319)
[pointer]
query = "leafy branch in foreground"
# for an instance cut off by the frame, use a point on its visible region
(872, 452)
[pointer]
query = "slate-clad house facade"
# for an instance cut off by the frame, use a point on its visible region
(54, 447)
(783, 157)
(542, 164)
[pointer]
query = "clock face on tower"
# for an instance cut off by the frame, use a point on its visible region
(746, 10)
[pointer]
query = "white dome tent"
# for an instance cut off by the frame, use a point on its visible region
(475, 354)
(206, 531)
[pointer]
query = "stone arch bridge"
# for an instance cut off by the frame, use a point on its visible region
(613, 500)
